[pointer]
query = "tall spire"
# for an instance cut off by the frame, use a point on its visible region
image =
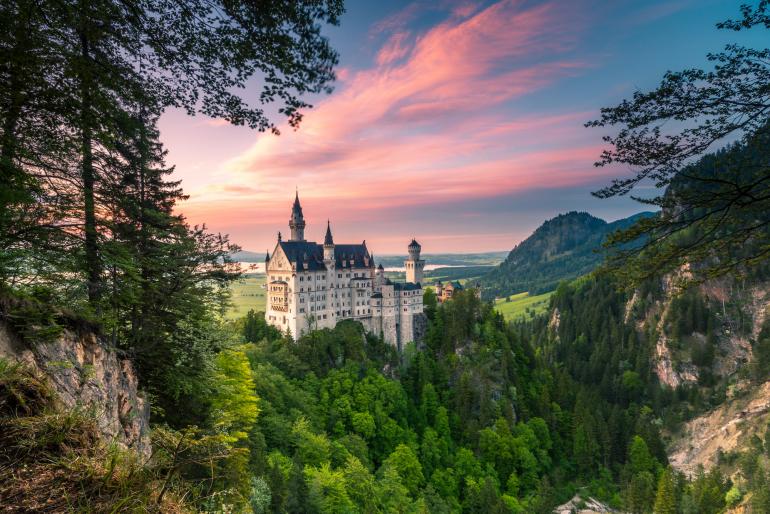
(297, 220)
(329, 247)
(328, 239)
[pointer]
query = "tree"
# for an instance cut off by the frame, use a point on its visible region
(404, 461)
(326, 490)
(233, 403)
(392, 494)
(312, 449)
(715, 209)
(640, 493)
(665, 499)
(359, 484)
(639, 457)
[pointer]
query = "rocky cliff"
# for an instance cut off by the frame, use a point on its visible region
(86, 373)
(735, 314)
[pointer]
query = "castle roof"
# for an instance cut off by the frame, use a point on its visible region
(296, 208)
(403, 286)
(309, 256)
(328, 239)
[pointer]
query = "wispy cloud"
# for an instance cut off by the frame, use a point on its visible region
(434, 119)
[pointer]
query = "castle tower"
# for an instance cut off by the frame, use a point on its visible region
(297, 221)
(328, 246)
(413, 264)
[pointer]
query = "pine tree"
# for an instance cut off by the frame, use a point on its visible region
(665, 499)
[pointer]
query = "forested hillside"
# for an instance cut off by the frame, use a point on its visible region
(562, 248)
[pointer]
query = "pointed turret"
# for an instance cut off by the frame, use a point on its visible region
(329, 247)
(267, 256)
(328, 239)
(297, 221)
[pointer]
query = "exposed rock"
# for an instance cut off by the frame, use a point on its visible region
(86, 373)
(735, 348)
(724, 429)
(553, 323)
(630, 306)
(577, 505)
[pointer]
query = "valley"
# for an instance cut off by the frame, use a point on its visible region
(614, 360)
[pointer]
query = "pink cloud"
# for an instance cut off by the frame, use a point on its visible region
(394, 49)
(433, 120)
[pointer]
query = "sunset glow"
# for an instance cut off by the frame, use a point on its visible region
(458, 123)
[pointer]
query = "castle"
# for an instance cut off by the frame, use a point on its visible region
(312, 286)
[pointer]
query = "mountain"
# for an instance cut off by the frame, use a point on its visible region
(562, 248)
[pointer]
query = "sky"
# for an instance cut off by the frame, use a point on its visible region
(457, 123)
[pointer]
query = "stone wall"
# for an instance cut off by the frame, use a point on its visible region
(88, 374)
(420, 326)
(390, 331)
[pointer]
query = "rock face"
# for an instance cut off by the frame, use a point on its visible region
(734, 346)
(724, 429)
(86, 373)
(578, 505)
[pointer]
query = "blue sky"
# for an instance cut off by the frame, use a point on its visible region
(459, 123)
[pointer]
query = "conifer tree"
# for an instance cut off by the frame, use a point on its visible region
(665, 499)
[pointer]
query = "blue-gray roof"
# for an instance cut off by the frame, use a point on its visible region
(309, 255)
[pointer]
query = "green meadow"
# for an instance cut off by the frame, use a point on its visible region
(247, 293)
(522, 305)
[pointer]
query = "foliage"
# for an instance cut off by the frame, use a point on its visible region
(714, 211)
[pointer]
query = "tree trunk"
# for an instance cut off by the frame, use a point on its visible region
(88, 175)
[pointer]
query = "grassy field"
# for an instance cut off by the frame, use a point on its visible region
(248, 293)
(522, 305)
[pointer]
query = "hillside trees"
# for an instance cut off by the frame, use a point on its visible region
(713, 211)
